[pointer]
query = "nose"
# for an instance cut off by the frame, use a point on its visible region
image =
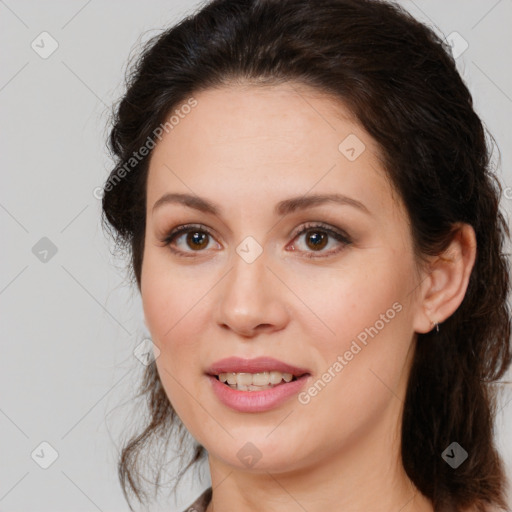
(252, 299)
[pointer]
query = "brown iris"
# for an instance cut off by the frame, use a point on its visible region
(319, 239)
(198, 239)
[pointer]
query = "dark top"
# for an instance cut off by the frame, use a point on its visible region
(201, 503)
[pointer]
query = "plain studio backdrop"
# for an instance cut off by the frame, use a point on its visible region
(70, 324)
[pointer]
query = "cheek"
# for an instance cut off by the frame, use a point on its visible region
(363, 328)
(163, 299)
(364, 356)
(168, 301)
(342, 301)
(176, 308)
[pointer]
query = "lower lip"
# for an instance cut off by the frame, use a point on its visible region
(256, 401)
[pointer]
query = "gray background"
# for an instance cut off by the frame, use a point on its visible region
(69, 322)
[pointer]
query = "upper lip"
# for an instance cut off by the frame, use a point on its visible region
(257, 365)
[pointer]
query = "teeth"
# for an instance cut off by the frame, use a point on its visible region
(254, 381)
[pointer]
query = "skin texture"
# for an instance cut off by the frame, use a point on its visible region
(245, 148)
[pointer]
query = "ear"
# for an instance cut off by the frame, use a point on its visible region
(445, 282)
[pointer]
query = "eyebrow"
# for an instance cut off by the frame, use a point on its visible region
(284, 207)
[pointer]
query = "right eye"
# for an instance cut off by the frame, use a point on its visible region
(197, 238)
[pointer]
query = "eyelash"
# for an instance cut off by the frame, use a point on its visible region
(186, 228)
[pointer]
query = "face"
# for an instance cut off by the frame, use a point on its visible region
(326, 286)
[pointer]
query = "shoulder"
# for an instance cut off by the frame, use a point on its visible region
(201, 502)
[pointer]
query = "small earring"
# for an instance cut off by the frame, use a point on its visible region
(436, 325)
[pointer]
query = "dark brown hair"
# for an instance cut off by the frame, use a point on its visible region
(400, 81)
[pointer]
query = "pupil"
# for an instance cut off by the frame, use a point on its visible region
(319, 239)
(193, 238)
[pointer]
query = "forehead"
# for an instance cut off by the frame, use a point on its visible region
(280, 121)
(281, 140)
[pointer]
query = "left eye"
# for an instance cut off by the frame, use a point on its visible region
(317, 238)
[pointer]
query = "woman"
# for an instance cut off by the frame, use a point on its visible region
(305, 192)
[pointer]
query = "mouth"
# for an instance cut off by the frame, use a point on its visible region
(255, 374)
(253, 398)
(260, 381)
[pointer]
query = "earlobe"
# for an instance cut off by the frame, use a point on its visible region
(446, 281)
